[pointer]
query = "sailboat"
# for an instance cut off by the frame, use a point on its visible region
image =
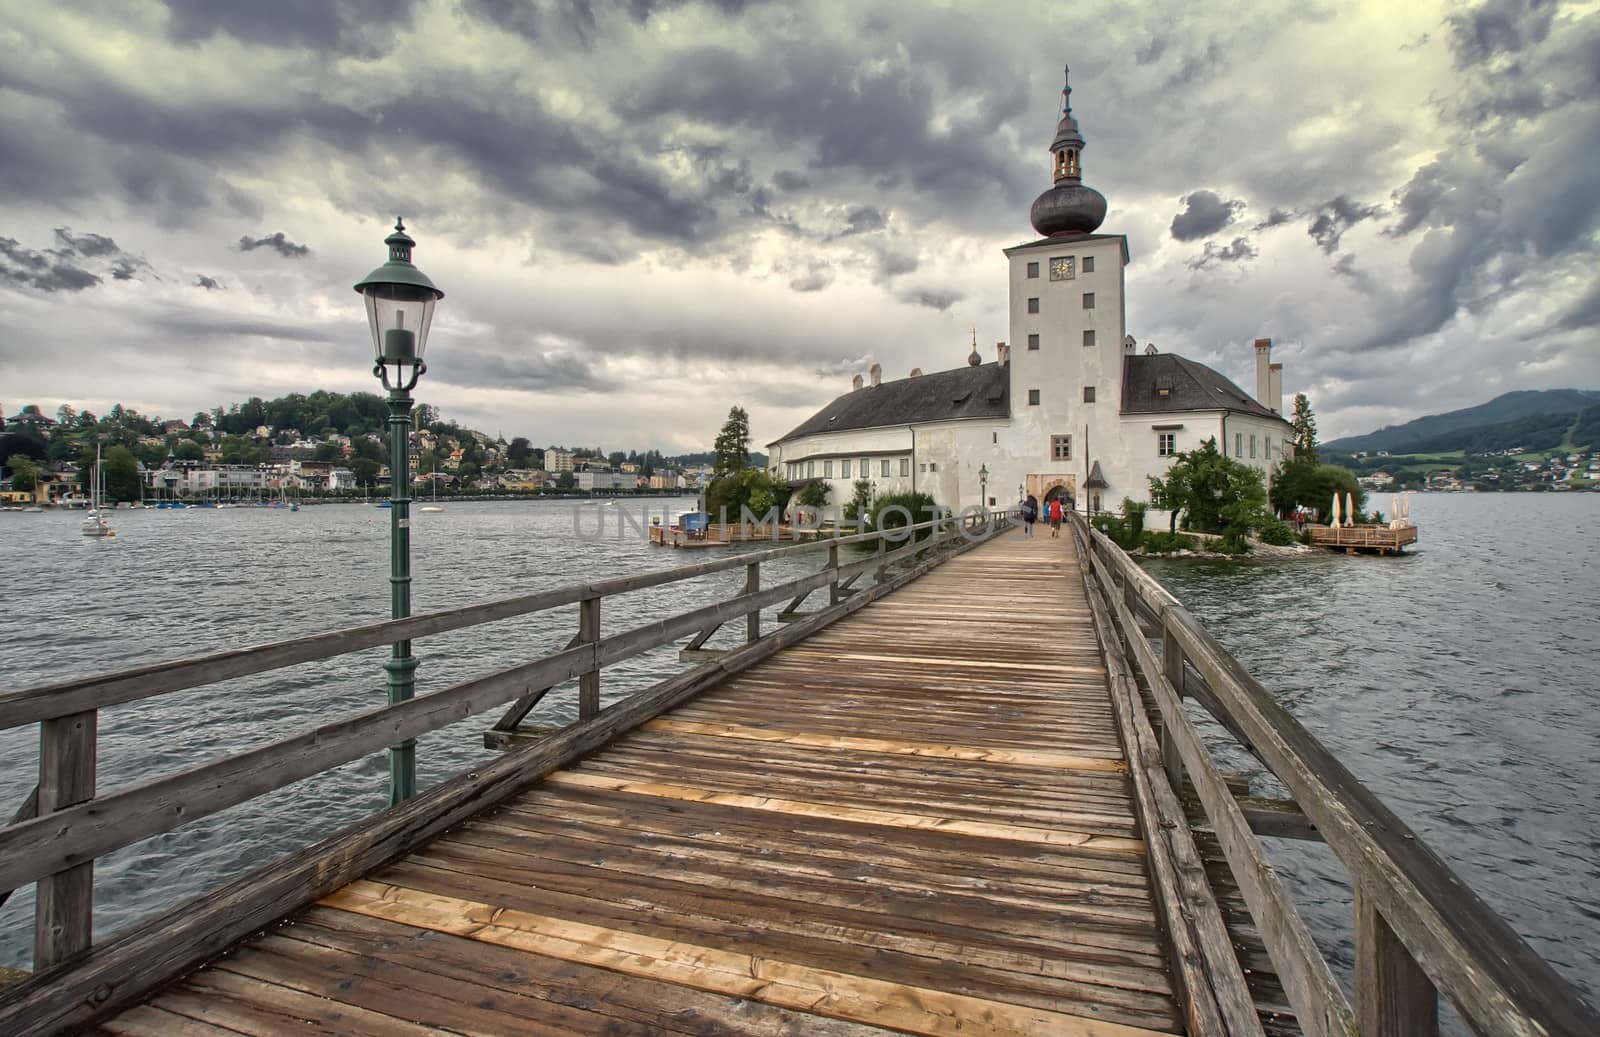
(435, 498)
(95, 523)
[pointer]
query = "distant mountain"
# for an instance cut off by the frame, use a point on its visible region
(1428, 433)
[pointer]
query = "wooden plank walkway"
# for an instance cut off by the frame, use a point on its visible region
(917, 821)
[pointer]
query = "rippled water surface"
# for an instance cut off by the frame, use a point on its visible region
(174, 584)
(1461, 683)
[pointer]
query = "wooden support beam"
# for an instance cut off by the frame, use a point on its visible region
(1394, 997)
(26, 812)
(589, 680)
(523, 735)
(1172, 667)
(521, 708)
(63, 917)
(752, 621)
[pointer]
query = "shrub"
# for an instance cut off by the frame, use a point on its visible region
(1108, 524)
(899, 510)
(1231, 543)
(1133, 520)
(1168, 543)
(1277, 533)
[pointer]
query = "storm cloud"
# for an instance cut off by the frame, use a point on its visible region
(1204, 214)
(656, 206)
(278, 242)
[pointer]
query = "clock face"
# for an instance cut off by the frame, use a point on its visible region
(1062, 268)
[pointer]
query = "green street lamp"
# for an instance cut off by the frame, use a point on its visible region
(400, 301)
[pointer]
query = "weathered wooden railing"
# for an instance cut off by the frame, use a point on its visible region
(1419, 931)
(75, 824)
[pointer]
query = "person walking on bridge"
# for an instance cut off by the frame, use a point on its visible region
(1030, 512)
(1055, 517)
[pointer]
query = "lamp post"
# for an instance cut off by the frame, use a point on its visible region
(400, 301)
(983, 487)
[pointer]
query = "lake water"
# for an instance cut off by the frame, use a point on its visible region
(1462, 682)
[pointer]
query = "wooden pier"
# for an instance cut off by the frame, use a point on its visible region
(965, 798)
(1354, 539)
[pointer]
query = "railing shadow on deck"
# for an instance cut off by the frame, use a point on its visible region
(1420, 932)
(67, 823)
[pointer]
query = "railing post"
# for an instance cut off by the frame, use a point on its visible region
(1394, 997)
(589, 682)
(878, 573)
(833, 567)
(752, 620)
(1172, 665)
(63, 918)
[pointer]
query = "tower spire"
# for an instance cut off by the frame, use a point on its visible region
(1069, 207)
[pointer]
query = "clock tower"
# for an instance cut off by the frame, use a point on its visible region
(1067, 326)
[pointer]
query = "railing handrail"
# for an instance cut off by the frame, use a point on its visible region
(67, 698)
(1479, 963)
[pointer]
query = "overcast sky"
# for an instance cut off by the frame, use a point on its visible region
(647, 211)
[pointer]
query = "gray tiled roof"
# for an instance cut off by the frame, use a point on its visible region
(1190, 386)
(965, 392)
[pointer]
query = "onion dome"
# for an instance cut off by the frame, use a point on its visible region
(1069, 207)
(973, 359)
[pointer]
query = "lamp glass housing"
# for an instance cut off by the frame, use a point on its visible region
(399, 308)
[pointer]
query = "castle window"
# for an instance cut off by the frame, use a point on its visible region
(886, 468)
(844, 468)
(1088, 337)
(827, 469)
(1060, 448)
(1033, 397)
(1088, 394)
(811, 469)
(1166, 444)
(1088, 300)
(905, 467)
(1252, 445)
(1033, 305)
(1238, 444)
(1033, 341)
(1033, 269)
(1088, 264)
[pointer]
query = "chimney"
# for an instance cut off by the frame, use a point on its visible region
(1275, 390)
(1263, 371)
(1003, 351)
(875, 372)
(915, 371)
(855, 383)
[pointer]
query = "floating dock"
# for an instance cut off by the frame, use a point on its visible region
(1356, 539)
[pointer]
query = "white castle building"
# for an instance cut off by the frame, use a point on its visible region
(1071, 409)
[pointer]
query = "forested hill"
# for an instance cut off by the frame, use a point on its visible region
(1495, 425)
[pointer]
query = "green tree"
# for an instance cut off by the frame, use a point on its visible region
(329, 452)
(365, 470)
(188, 450)
(121, 474)
(467, 472)
(733, 444)
(1305, 429)
(1215, 493)
(751, 489)
(518, 452)
(1313, 485)
(814, 494)
(152, 454)
(860, 503)
(566, 481)
(24, 473)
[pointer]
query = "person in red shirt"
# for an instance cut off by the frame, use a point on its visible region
(1055, 518)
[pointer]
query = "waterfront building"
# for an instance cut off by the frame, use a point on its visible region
(1071, 408)
(557, 460)
(604, 480)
